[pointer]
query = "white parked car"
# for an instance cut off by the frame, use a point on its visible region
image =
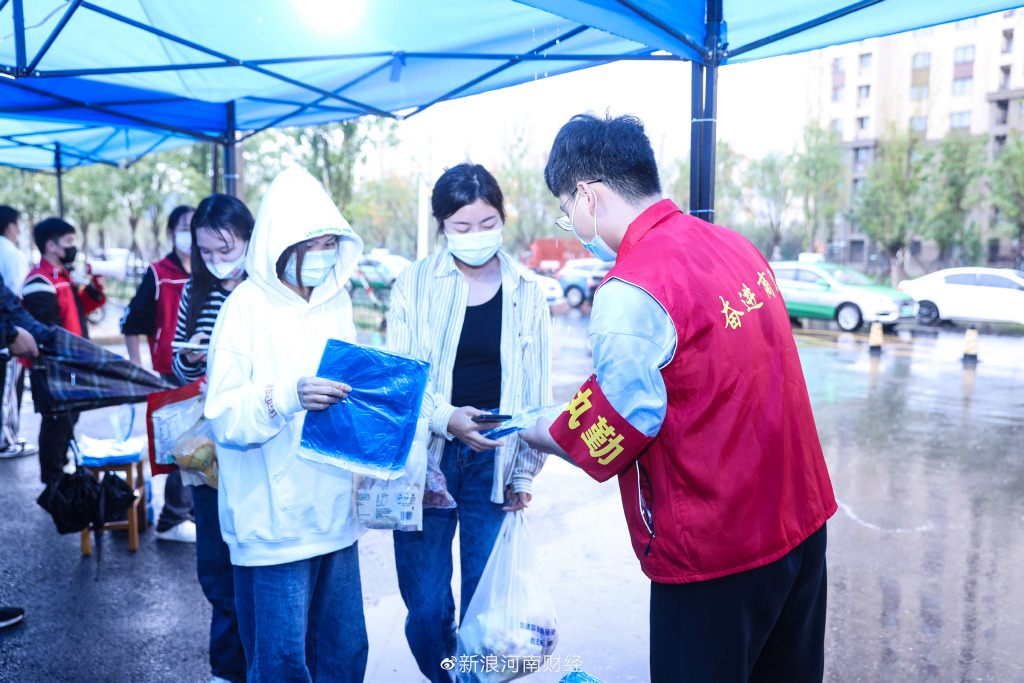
(981, 294)
(552, 292)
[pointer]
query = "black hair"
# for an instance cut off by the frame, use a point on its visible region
(221, 213)
(50, 229)
(462, 185)
(8, 215)
(613, 150)
(175, 217)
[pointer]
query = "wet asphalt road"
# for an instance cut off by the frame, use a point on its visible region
(925, 553)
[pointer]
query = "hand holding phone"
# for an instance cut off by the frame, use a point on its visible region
(491, 417)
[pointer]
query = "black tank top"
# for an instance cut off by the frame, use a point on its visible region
(476, 378)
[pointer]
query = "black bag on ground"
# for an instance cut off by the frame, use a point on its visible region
(72, 501)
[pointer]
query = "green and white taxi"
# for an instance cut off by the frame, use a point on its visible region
(841, 293)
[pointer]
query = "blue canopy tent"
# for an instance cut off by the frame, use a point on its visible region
(205, 70)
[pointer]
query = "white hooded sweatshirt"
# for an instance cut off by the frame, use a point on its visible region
(276, 507)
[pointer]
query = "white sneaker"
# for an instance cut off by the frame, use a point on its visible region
(183, 533)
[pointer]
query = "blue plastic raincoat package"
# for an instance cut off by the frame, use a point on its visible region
(372, 431)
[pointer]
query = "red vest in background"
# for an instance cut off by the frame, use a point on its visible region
(735, 477)
(72, 300)
(170, 282)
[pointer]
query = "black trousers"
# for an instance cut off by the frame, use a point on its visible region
(55, 433)
(764, 624)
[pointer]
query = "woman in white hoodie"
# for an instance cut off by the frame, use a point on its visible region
(287, 521)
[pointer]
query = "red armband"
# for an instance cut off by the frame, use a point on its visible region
(595, 436)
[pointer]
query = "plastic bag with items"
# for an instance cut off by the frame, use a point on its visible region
(511, 615)
(195, 451)
(395, 504)
(371, 432)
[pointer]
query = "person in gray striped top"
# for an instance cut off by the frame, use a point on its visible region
(482, 322)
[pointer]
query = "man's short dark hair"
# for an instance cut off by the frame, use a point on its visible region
(50, 229)
(613, 150)
(8, 215)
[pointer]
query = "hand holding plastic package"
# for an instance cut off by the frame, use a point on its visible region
(371, 432)
(511, 615)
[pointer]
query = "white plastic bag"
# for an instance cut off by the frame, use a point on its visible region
(511, 616)
(396, 503)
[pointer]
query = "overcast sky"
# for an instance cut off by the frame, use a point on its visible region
(761, 107)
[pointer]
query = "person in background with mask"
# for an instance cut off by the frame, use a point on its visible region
(53, 297)
(481, 320)
(699, 408)
(152, 313)
(287, 521)
(13, 269)
(221, 223)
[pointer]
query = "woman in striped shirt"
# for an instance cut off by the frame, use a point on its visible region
(221, 229)
(481, 320)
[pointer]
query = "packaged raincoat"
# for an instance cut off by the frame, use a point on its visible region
(276, 507)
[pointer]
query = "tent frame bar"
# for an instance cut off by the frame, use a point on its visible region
(794, 30)
(229, 61)
(493, 72)
(196, 66)
(704, 111)
(20, 57)
(316, 103)
(667, 29)
(129, 117)
(53, 36)
(77, 155)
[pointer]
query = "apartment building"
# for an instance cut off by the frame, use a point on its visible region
(967, 75)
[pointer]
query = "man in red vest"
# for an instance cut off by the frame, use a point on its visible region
(53, 297)
(698, 406)
(153, 313)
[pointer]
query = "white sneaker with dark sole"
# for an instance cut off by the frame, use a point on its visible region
(182, 533)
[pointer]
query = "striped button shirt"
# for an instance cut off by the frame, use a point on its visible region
(428, 307)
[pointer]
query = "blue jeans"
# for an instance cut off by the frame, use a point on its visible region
(216, 576)
(303, 620)
(424, 558)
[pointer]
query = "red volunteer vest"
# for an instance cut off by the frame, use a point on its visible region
(74, 303)
(735, 478)
(170, 283)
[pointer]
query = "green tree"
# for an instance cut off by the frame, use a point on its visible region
(771, 181)
(1006, 178)
(892, 205)
(728, 185)
(32, 193)
(954, 189)
(331, 153)
(383, 212)
(89, 202)
(530, 209)
(141, 190)
(819, 173)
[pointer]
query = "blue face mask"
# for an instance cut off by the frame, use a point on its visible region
(316, 268)
(597, 246)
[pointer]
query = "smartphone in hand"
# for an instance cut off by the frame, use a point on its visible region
(490, 417)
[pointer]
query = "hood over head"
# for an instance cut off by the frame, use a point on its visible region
(294, 209)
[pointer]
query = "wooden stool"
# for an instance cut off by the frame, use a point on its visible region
(136, 513)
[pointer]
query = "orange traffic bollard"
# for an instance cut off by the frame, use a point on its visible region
(971, 345)
(875, 338)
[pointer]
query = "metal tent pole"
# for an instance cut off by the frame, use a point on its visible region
(696, 109)
(230, 167)
(60, 182)
(215, 180)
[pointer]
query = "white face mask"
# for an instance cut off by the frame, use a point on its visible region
(228, 270)
(183, 242)
(475, 248)
(317, 266)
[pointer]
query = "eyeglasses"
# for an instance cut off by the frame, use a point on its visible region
(563, 221)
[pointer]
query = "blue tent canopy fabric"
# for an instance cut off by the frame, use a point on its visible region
(203, 70)
(175, 66)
